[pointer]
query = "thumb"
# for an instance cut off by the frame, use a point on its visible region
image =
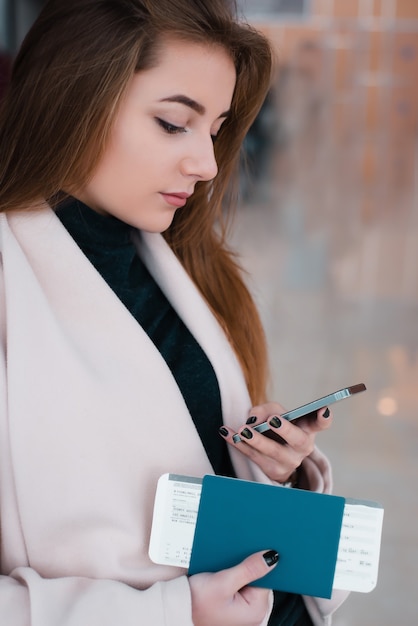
(252, 568)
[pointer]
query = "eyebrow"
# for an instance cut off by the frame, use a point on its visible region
(192, 104)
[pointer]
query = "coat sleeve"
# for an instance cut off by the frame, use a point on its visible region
(27, 599)
(317, 476)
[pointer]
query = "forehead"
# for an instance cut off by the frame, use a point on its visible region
(202, 71)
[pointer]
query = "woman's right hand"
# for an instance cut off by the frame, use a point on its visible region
(225, 599)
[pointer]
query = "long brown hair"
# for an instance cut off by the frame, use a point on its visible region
(68, 78)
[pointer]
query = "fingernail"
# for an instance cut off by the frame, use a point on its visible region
(236, 438)
(276, 422)
(251, 420)
(326, 413)
(271, 557)
(223, 431)
(246, 433)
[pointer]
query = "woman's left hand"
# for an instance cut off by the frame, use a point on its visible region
(278, 460)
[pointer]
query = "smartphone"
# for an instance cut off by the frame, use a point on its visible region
(307, 410)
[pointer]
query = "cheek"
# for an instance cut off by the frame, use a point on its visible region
(138, 154)
(125, 147)
(138, 151)
(123, 157)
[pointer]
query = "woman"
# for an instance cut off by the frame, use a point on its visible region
(124, 351)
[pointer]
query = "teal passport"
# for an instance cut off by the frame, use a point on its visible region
(238, 517)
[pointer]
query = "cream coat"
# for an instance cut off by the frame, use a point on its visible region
(90, 417)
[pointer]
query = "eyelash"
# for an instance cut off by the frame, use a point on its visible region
(171, 129)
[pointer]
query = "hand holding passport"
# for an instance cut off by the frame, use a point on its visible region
(324, 541)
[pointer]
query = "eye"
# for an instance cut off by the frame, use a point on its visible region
(171, 129)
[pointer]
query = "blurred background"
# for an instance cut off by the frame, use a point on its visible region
(328, 230)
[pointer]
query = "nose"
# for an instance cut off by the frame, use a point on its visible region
(200, 160)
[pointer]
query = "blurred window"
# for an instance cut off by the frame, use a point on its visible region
(16, 17)
(276, 9)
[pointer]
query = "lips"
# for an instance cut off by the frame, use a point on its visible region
(176, 199)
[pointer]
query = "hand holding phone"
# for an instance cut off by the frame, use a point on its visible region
(308, 410)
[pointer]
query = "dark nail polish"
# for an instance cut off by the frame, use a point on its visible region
(246, 433)
(251, 420)
(223, 431)
(271, 557)
(326, 412)
(236, 438)
(275, 422)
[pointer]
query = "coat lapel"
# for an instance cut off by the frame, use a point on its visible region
(192, 308)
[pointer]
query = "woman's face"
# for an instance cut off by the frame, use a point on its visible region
(162, 140)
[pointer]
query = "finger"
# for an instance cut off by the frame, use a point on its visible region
(276, 460)
(275, 442)
(232, 437)
(292, 434)
(325, 418)
(227, 433)
(322, 421)
(262, 412)
(250, 569)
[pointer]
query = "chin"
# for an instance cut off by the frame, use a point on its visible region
(157, 227)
